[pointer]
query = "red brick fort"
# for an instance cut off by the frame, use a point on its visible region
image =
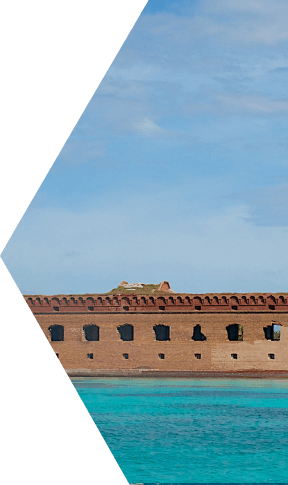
(139, 329)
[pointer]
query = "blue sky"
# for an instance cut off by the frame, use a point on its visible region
(178, 167)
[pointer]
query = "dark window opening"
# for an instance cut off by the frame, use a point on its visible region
(198, 356)
(272, 332)
(57, 333)
(162, 332)
(268, 332)
(234, 307)
(126, 356)
(91, 332)
(161, 356)
(235, 332)
(126, 332)
(89, 356)
(271, 307)
(162, 308)
(126, 308)
(197, 307)
(56, 308)
(271, 356)
(234, 356)
(91, 308)
(197, 335)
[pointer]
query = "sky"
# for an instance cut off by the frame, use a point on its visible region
(178, 167)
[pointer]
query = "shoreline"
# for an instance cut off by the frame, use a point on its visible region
(252, 374)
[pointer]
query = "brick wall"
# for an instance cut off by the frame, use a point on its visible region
(181, 314)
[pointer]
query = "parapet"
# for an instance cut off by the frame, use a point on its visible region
(158, 301)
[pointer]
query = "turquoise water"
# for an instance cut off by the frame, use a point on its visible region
(193, 430)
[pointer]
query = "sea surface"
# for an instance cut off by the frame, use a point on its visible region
(188, 431)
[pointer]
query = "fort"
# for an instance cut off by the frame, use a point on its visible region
(149, 330)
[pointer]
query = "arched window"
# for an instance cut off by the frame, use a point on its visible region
(197, 303)
(126, 332)
(271, 302)
(234, 300)
(162, 332)
(161, 302)
(56, 333)
(91, 332)
(90, 301)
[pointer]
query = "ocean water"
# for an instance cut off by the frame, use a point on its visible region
(183, 431)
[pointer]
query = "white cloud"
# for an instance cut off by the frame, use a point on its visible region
(148, 127)
(268, 206)
(243, 22)
(252, 104)
(262, 7)
(95, 149)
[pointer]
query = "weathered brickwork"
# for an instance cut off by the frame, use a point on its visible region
(196, 326)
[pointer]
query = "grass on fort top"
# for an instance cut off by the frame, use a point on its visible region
(145, 290)
(151, 289)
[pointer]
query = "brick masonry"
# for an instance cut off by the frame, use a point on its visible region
(180, 312)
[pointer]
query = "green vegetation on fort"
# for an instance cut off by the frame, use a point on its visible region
(152, 289)
(240, 332)
(146, 290)
(276, 335)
